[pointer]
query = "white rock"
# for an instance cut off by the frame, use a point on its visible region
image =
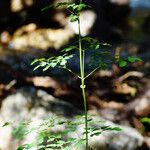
(17, 107)
(87, 21)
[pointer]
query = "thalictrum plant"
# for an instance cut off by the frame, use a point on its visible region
(46, 139)
(103, 58)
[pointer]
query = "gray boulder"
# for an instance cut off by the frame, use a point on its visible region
(36, 105)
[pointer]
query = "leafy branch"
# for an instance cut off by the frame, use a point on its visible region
(49, 137)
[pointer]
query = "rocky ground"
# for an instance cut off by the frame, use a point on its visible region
(32, 104)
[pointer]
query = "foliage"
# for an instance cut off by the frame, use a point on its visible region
(20, 131)
(59, 61)
(50, 137)
(145, 120)
(130, 59)
(146, 123)
(83, 44)
(100, 59)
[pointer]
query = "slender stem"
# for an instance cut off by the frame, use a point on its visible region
(80, 51)
(72, 72)
(81, 55)
(85, 111)
(91, 72)
(83, 59)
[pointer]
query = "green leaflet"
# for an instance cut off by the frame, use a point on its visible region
(26, 146)
(133, 59)
(20, 131)
(122, 63)
(76, 8)
(74, 18)
(130, 59)
(145, 120)
(61, 4)
(69, 48)
(48, 139)
(59, 61)
(92, 43)
(80, 143)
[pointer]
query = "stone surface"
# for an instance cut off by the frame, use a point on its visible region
(127, 139)
(147, 141)
(40, 38)
(88, 19)
(120, 2)
(28, 36)
(31, 104)
(18, 5)
(142, 108)
(27, 104)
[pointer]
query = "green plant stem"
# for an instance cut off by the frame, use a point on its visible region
(85, 112)
(81, 55)
(91, 72)
(71, 72)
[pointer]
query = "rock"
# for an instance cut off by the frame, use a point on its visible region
(88, 19)
(147, 141)
(6, 138)
(29, 36)
(40, 38)
(25, 100)
(5, 37)
(111, 16)
(36, 105)
(46, 82)
(127, 139)
(18, 5)
(142, 107)
(124, 88)
(27, 104)
(120, 2)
